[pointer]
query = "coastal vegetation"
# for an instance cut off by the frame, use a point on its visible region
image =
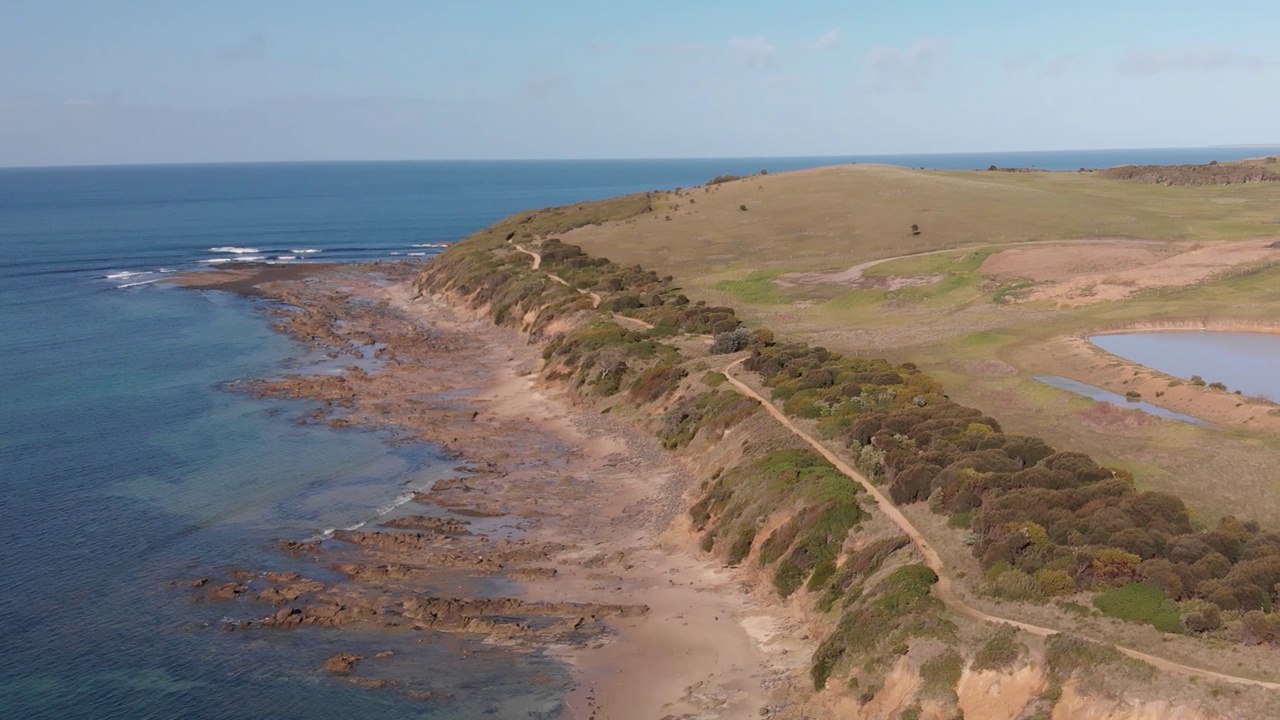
(1043, 524)
(1212, 173)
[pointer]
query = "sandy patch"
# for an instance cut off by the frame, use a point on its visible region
(991, 695)
(1087, 274)
(1049, 263)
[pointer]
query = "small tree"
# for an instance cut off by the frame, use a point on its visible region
(915, 229)
(731, 341)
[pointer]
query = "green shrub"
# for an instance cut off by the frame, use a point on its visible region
(1000, 651)
(940, 674)
(880, 621)
(1199, 616)
(1054, 582)
(788, 577)
(779, 541)
(741, 546)
(1015, 585)
(1066, 654)
(823, 572)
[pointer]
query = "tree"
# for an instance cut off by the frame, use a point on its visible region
(915, 229)
(730, 342)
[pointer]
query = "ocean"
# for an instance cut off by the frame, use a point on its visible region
(127, 464)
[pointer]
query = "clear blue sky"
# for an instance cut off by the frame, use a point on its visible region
(132, 81)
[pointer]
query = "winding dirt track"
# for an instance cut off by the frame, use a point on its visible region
(931, 558)
(537, 258)
(537, 264)
(934, 561)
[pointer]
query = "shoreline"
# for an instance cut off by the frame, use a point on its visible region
(610, 520)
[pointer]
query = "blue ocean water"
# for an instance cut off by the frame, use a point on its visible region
(125, 464)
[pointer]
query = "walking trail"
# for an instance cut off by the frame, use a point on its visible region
(943, 588)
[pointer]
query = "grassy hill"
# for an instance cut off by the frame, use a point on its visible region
(834, 217)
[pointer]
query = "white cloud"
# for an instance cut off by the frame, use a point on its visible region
(912, 67)
(829, 40)
(753, 52)
(1206, 59)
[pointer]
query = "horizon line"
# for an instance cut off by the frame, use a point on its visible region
(202, 163)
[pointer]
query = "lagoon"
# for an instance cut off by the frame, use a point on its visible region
(1244, 361)
(1100, 395)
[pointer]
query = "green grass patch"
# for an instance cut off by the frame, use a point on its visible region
(981, 340)
(961, 261)
(758, 288)
(1140, 602)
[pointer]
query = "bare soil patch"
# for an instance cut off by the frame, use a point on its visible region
(1089, 274)
(1059, 263)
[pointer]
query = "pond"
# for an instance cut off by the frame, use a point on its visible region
(1097, 393)
(1244, 361)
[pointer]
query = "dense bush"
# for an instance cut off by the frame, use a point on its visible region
(881, 620)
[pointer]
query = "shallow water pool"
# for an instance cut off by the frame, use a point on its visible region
(1247, 362)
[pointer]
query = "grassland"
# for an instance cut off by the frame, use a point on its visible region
(972, 331)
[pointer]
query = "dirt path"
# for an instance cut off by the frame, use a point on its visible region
(537, 263)
(943, 587)
(537, 258)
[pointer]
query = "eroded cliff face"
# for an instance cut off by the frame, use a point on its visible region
(993, 695)
(1075, 706)
(1015, 694)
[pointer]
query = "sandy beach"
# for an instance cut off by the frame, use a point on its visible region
(584, 512)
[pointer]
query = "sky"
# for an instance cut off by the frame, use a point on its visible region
(151, 81)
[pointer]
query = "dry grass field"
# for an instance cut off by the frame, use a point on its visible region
(1015, 260)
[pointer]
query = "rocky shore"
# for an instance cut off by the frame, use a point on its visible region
(576, 514)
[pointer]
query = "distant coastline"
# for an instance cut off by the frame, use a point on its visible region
(1041, 159)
